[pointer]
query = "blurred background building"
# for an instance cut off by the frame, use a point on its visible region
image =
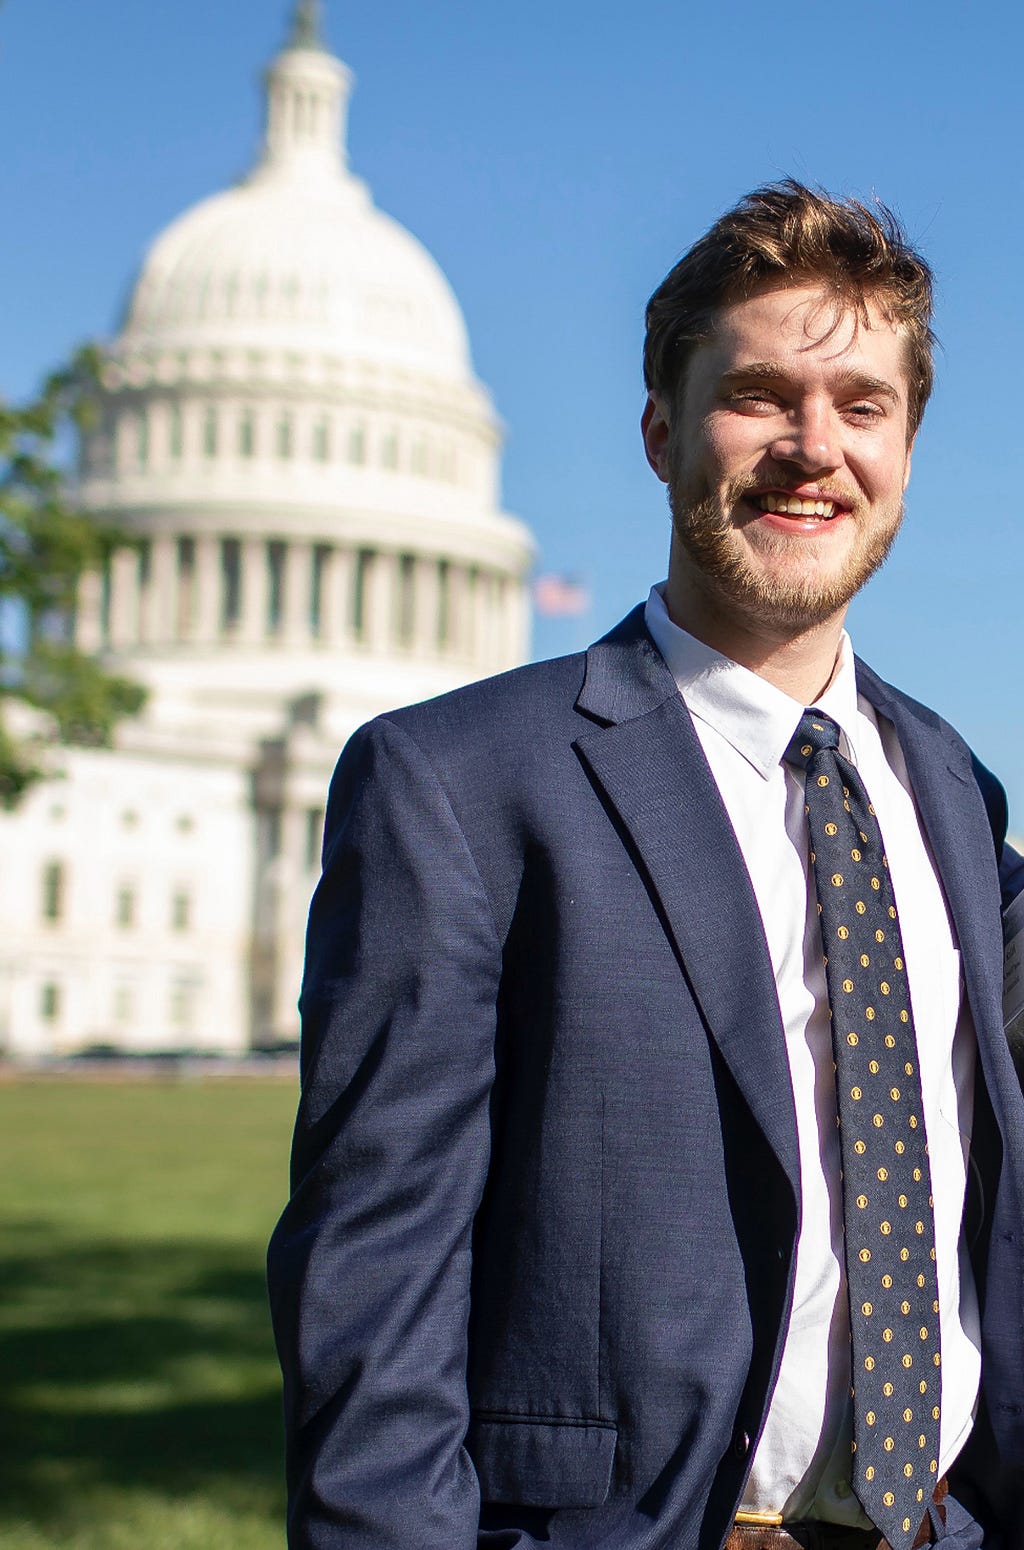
(293, 436)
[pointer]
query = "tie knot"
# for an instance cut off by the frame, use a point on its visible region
(815, 733)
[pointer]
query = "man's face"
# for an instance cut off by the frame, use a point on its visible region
(786, 456)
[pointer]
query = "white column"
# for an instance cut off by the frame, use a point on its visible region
(518, 604)
(298, 593)
(89, 612)
(124, 597)
(337, 583)
(379, 602)
(292, 904)
(426, 597)
(208, 590)
(481, 641)
(252, 623)
(156, 625)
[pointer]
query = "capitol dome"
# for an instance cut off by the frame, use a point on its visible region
(297, 256)
(292, 432)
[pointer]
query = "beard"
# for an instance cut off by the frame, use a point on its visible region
(726, 571)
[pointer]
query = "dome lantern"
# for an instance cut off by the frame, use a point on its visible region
(307, 101)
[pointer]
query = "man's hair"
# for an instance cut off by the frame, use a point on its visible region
(786, 234)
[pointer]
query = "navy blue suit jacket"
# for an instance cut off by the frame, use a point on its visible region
(533, 1280)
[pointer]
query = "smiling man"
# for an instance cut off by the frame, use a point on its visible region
(659, 1171)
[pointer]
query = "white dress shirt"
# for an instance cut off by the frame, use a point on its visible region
(801, 1464)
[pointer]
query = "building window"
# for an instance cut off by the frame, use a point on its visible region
(49, 1002)
(231, 578)
(142, 439)
(210, 432)
(184, 823)
(124, 906)
(405, 600)
(420, 458)
(364, 560)
(444, 603)
(247, 434)
(123, 1008)
(389, 450)
(176, 432)
(186, 586)
(275, 591)
(321, 442)
(357, 445)
(181, 909)
(314, 836)
(316, 596)
(53, 890)
(182, 1004)
(284, 436)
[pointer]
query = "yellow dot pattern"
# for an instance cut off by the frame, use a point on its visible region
(890, 1254)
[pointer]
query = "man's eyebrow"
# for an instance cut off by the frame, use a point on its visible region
(851, 381)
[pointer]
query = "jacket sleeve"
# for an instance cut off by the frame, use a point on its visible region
(369, 1267)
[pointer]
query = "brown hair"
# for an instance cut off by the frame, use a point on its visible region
(786, 234)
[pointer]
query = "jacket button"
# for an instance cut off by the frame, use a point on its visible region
(740, 1443)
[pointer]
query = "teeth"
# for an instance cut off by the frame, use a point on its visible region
(792, 506)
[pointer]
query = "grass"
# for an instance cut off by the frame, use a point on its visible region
(140, 1400)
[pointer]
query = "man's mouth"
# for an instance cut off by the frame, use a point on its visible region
(796, 506)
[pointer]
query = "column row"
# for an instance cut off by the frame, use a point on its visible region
(207, 590)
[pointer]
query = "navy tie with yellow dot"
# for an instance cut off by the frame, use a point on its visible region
(887, 1202)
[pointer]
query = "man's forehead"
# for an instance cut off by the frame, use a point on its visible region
(803, 324)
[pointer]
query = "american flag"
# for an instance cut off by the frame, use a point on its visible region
(560, 597)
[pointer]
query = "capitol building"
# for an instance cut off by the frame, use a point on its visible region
(292, 435)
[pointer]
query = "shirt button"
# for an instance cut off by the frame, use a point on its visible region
(740, 1443)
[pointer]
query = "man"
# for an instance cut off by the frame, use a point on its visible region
(659, 1169)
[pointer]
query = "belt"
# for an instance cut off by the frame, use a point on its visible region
(827, 1536)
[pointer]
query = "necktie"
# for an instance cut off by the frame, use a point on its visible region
(887, 1203)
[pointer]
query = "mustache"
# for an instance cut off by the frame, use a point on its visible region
(770, 479)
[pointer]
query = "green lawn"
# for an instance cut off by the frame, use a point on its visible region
(139, 1397)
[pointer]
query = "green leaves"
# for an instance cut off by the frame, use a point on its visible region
(46, 543)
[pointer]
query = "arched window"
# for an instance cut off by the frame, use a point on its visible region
(247, 434)
(321, 441)
(176, 432)
(284, 436)
(210, 432)
(357, 445)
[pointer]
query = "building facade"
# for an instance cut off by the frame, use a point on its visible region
(292, 434)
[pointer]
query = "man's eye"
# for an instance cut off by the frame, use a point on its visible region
(754, 398)
(864, 411)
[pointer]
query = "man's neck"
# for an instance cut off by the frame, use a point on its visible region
(800, 663)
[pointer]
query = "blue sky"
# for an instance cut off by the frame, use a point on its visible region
(556, 158)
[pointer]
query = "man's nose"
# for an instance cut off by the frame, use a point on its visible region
(811, 440)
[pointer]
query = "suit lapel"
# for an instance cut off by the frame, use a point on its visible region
(652, 770)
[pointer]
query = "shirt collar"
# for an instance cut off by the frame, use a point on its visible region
(749, 712)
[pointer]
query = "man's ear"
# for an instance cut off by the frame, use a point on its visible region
(656, 432)
(906, 469)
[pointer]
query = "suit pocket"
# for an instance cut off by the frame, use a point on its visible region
(537, 1463)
